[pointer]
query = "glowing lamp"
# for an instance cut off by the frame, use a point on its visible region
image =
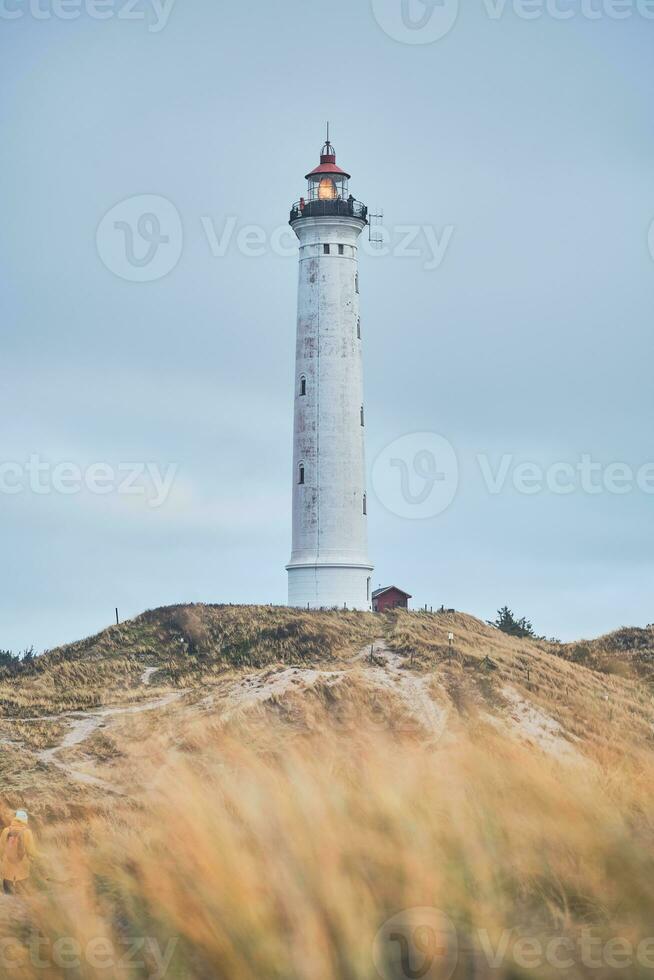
(327, 190)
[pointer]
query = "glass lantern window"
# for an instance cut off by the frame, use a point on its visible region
(327, 187)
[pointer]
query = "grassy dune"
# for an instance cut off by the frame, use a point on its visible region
(277, 841)
(189, 643)
(627, 652)
(611, 711)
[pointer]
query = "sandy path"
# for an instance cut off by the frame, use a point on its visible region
(146, 676)
(531, 724)
(83, 726)
(387, 674)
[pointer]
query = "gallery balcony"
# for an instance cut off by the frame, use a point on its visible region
(337, 208)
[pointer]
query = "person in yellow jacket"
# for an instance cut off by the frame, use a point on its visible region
(17, 850)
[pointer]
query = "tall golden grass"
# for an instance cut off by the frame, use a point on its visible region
(265, 852)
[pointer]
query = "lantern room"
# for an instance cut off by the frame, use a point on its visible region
(327, 182)
(328, 191)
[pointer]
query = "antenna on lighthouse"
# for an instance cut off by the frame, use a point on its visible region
(375, 229)
(328, 149)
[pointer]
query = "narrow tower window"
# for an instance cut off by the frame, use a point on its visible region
(362, 418)
(303, 385)
(325, 249)
(365, 509)
(300, 479)
(356, 282)
(341, 249)
(358, 328)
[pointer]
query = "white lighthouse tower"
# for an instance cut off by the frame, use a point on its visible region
(329, 564)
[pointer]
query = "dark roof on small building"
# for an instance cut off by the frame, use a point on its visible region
(387, 588)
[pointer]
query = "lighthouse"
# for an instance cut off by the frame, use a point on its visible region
(329, 565)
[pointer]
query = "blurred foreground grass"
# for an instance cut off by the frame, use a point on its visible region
(264, 856)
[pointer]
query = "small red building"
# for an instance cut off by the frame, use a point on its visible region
(390, 597)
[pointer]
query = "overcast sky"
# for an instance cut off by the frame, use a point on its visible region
(512, 159)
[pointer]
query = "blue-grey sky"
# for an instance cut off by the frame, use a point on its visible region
(523, 146)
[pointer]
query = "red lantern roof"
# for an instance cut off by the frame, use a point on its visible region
(328, 163)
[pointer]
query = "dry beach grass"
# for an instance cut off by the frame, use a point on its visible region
(294, 796)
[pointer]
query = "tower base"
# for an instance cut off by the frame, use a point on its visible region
(335, 586)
